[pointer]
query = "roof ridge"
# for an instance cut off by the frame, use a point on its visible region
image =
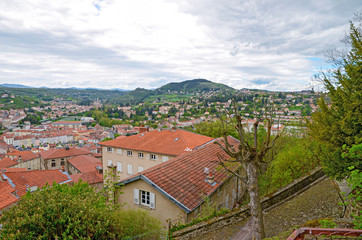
(183, 139)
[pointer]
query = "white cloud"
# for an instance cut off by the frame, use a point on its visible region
(142, 43)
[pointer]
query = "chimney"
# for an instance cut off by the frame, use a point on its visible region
(63, 169)
(67, 148)
(210, 179)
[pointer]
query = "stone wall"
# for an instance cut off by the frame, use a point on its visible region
(242, 213)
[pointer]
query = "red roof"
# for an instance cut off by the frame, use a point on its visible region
(183, 177)
(85, 163)
(169, 142)
(6, 195)
(26, 179)
(13, 169)
(7, 162)
(25, 155)
(58, 153)
(89, 177)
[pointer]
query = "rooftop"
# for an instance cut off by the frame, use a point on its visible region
(168, 142)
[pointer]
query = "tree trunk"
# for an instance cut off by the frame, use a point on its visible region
(255, 205)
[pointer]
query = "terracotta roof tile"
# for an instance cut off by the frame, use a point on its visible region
(183, 177)
(169, 142)
(7, 162)
(89, 177)
(23, 180)
(58, 153)
(6, 195)
(85, 163)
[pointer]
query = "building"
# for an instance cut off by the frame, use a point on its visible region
(24, 159)
(67, 124)
(58, 158)
(133, 154)
(14, 184)
(178, 190)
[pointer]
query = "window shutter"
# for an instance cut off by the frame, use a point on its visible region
(136, 196)
(148, 156)
(164, 158)
(152, 200)
(109, 162)
(140, 168)
(119, 167)
(119, 151)
(129, 166)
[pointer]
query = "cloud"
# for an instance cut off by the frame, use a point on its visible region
(141, 43)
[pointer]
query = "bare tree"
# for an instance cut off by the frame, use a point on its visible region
(250, 153)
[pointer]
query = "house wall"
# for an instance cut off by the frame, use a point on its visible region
(165, 210)
(225, 197)
(31, 164)
(115, 156)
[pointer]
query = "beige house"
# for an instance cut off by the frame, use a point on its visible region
(130, 155)
(185, 187)
(58, 158)
(24, 159)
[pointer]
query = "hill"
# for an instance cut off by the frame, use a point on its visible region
(195, 85)
(7, 85)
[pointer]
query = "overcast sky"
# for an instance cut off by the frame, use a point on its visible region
(273, 45)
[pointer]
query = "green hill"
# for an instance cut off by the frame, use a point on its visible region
(195, 85)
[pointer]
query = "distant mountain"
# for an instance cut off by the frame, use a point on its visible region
(194, 85)
(7, 85)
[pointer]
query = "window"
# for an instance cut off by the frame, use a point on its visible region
(129, 153)
(110, 163)
(109, 149)
(140, 168)
(141, 155)
(144, 198)
(62, 162)
(119, 167)
(164, 158)
(129, 169)
(153, 157)
(119, 151)
(53, 163)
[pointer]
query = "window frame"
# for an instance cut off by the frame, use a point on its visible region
(141, 155)
(129, 153)
(153, 157)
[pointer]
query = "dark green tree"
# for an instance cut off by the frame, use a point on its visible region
(339, 118)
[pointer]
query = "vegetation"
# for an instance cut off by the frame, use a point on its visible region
(72, 212)
(196, 85)
(338, 122)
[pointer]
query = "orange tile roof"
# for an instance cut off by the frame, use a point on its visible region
(6, 195)
(7, 162)
(23, 180)
(85, 163)
(169, 142)
(89, 177)
(58, 153)
(183, 177)
(25, 155)
(13, 169)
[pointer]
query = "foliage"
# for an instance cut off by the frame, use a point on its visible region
(325, 223)
(59, 211)
(355, 183)
(71, 212)
(338, 121)
(132, 223)
(293, 158)
(194, 86)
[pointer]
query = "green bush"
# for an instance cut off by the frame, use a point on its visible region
(71, 212)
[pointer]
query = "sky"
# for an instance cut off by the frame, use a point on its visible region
(264, 44)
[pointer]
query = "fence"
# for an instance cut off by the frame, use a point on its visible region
(325, 233)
